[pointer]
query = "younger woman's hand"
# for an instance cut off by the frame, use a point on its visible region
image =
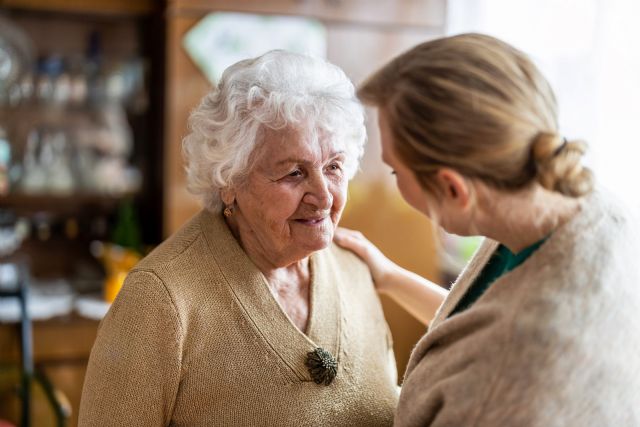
(379, 265)
(417, 295)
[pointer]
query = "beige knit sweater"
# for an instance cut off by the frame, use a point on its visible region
(195, 338)
(555, 342)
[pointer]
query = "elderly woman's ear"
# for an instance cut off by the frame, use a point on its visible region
(228, 196)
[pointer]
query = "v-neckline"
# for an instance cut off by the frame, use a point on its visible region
(261, 307)
(464, 281)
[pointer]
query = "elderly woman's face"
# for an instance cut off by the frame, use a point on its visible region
(294, 195)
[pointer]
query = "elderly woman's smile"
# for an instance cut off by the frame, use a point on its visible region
(291, 200)
(310, 221)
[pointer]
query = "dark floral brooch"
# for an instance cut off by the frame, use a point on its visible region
(322, 366)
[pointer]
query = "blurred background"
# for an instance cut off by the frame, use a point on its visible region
(94, 100)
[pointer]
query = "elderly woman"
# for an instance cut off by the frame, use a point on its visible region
(541, 328)
(248, 315)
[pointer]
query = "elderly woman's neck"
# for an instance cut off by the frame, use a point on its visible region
(278, 269)
(523, 218)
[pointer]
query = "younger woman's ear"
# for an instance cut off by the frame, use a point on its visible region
(454, 187)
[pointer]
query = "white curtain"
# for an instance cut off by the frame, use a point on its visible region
(590, 52)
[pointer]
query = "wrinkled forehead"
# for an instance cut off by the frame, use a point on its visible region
(312, 144)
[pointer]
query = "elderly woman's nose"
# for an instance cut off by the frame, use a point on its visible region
(318, 193)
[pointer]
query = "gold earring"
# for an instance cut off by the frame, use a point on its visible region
(228, 211)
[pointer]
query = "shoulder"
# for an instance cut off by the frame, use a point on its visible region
(353, 279)
(347, 261)
(345, 257)
(594, 250)
(184, 267)
(175, 246)
(144, 308)
(187, 255)
(606, 219)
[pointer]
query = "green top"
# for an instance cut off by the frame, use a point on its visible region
(501, 262)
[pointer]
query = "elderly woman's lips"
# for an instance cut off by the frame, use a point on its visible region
(310, 221)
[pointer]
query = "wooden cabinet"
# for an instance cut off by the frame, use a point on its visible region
(129, 33)
(185, 86)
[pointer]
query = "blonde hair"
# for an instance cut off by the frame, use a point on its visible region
(477, 105)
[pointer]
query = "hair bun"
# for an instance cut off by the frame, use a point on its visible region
(559, 164)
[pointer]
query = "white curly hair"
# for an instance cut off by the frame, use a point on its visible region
(278, 90)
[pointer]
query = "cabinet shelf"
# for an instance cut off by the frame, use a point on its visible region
(74, 203)
(95, 7)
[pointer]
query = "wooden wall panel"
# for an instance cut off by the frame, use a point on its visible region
(399, 14)
(185, 86)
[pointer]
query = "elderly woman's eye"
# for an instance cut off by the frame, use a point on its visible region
(335, 167)
(295, 173)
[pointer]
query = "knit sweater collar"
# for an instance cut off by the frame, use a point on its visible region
(250, 289)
